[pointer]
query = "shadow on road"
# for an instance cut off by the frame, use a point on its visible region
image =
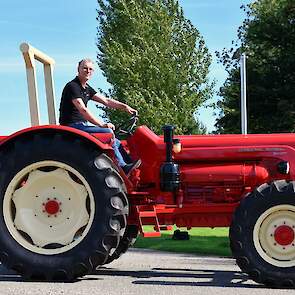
(7, 275)
(161, 276)
(198, 277)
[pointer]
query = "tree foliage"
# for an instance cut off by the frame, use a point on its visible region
(155, 61)
(268, 37)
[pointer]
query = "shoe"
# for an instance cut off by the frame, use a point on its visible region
(128, 168)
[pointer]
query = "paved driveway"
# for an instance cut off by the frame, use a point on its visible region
(145, 272)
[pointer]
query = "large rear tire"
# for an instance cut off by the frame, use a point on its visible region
(127, 241)
(64, 207)
(262, 234)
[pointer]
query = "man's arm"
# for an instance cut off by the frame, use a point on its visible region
(114, 104)
(87, 115)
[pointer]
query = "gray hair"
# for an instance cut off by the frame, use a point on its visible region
(84, 60)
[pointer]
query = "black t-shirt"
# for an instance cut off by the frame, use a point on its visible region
(68, 113)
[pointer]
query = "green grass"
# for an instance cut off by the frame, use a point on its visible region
(202, 241)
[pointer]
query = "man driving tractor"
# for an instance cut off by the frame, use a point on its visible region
(74, 112)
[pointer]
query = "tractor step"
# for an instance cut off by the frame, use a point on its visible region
(151, 234)
(148, 216)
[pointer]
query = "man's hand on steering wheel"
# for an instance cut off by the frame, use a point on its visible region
(130, 110)
(126, 127)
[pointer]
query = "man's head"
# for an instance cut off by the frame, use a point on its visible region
(85, 69)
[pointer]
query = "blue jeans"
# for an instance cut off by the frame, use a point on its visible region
(84, 126)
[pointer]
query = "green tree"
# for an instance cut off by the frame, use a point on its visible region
(155, 61)
(268, 37)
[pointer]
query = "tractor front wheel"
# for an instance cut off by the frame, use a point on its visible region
(262, 234)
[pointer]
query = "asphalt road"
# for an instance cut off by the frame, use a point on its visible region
(145, 272)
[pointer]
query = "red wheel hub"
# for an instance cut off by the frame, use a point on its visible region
(52, 207)
(284, 235)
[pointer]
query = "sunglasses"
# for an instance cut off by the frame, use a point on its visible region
(88, 69)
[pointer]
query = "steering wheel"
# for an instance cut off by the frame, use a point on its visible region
(127, 127)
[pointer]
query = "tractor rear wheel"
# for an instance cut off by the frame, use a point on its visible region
(127, 241)
(64, 207)
(262, 234)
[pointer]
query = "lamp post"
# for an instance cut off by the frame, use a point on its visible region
(242, 59)
(243, 94)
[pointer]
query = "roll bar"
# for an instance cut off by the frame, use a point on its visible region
(31, 54)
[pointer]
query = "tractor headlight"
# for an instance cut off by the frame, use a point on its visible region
(176, 146)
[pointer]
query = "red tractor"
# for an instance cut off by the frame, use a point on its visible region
(68, 208)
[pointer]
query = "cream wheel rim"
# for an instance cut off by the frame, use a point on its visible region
(48, 207)
(274, 234)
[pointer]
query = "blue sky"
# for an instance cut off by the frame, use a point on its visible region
(66, 31)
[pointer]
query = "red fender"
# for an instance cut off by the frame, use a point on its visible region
(102, 140)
